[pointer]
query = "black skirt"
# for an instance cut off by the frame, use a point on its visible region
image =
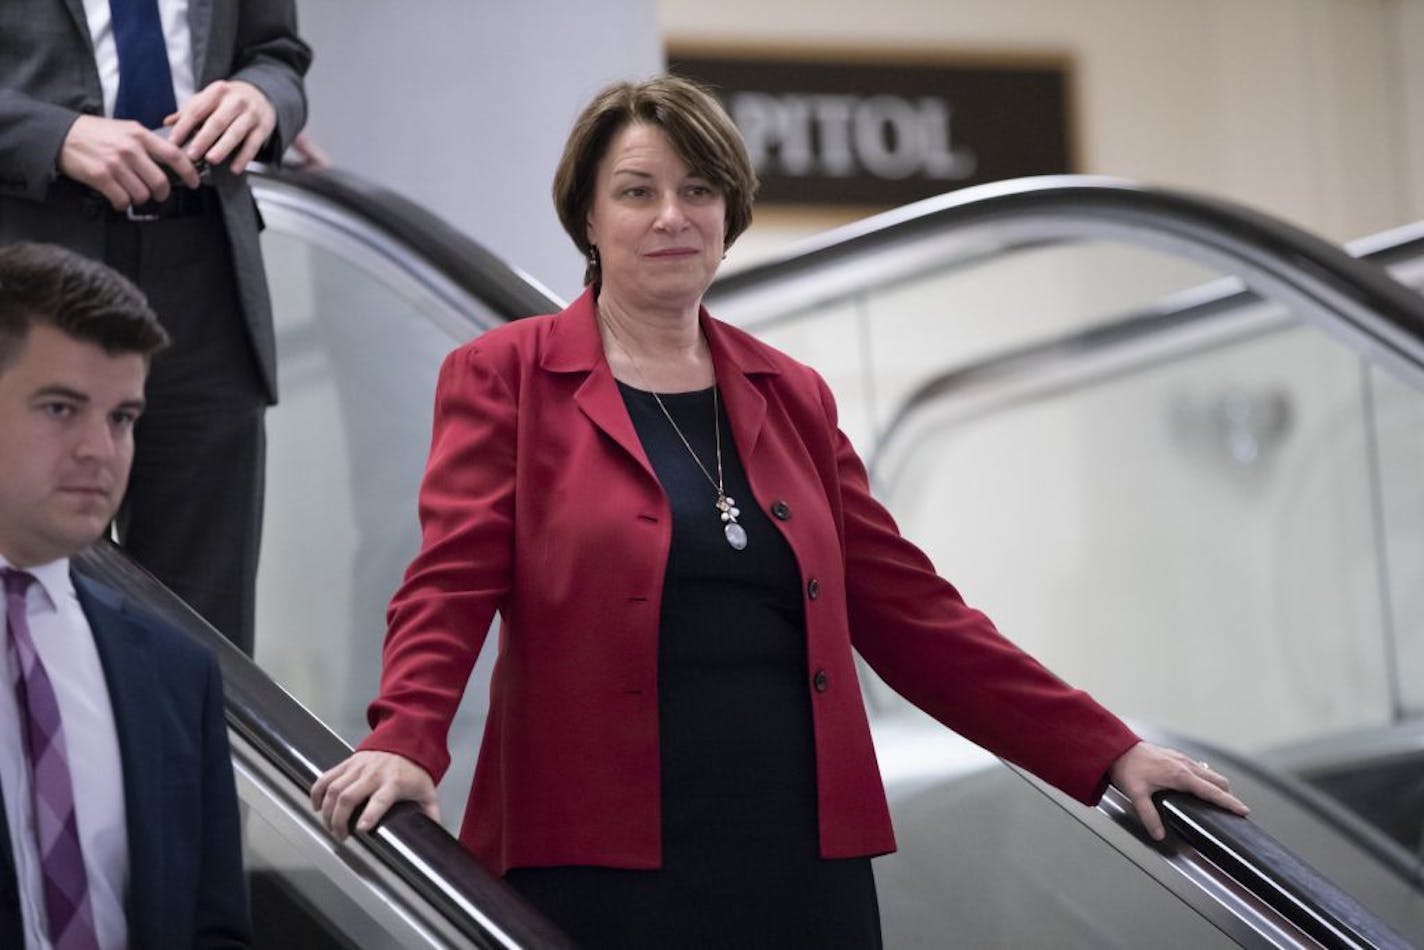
(741, 856)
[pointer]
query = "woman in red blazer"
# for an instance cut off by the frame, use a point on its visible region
(580, 483)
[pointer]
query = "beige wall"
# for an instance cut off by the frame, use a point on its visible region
(469, 115)
(1408, 81)
(1311, 109)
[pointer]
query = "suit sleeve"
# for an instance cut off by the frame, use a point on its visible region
(917, 633)
(31, 133)
(440, 616)
(221, 918)
(273, 58)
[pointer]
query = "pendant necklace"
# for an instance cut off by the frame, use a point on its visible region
(726, 506)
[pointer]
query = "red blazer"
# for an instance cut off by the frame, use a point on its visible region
(539, 502)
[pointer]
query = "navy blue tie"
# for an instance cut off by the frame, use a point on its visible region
(145, 82)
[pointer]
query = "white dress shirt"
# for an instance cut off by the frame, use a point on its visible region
(65, 645)
(173, 14)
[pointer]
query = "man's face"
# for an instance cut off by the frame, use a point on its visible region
(67, 412)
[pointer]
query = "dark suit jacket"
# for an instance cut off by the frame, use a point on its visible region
(48, 79)
(186, 882)
(539, 502)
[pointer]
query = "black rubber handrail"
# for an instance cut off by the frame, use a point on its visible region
(1302, 794)
(299, 746)
(1109, 199)
(459, 258)
(1273, 872)
(1355, 297)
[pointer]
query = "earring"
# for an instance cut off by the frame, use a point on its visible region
(593, 256)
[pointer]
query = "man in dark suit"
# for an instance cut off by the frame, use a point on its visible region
(120, 822)
(102, 139)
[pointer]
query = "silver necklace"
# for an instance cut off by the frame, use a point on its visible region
(727, 508)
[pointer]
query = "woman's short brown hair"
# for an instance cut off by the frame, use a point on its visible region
(697, 126)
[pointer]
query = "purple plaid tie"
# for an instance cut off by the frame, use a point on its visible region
(66, 888)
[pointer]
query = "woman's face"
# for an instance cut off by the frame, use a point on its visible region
(658, 227)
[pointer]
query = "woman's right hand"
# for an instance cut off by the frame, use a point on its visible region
(377, 779)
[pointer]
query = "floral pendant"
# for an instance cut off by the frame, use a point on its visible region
(735, 533)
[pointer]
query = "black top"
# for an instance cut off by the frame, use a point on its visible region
(733, 710)
(741, 864)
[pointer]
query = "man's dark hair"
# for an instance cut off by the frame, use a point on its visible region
(43, 283)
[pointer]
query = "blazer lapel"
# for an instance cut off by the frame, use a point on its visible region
(123, 645)
(735, 361)
(81, 23)
(200, 28)
(575, 346)
(81, 19)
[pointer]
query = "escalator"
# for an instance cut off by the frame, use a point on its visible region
(1244, 535)
(371, 292)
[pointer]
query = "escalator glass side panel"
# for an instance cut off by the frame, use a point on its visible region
(369, 293)
(1211, 518)
(347, 445)
(909, 332)
(1397, 424)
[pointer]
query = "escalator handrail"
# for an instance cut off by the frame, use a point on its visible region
(463, 261)
(1268, 869)
(301, 747)
(1083, 196)
(1357, 298)
(1341, 819)
(1086, 194)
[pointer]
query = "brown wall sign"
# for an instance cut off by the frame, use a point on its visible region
(855, 131)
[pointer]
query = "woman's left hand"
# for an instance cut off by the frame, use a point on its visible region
(1146, 768)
